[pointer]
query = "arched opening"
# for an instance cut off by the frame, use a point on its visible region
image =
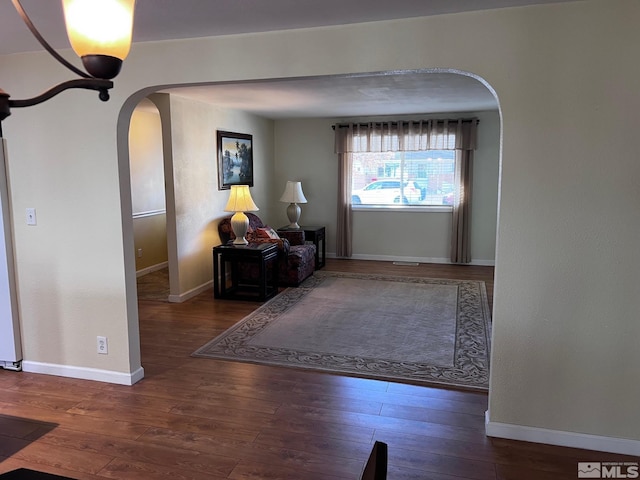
(286, 158)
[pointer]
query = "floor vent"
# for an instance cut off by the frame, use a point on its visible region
(407, 264)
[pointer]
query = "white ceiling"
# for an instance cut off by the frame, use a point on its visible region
(349, 96)
(331, 97)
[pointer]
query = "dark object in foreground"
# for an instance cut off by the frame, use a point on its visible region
(26, 474)
(376, 467)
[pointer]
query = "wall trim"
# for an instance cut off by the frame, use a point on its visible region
(564, 439)
(191, 293)
(149, 213)
(396, 258)
(84, 373)
(153, 268)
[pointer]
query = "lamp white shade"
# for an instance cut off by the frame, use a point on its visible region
(293, 195)
(240, 201)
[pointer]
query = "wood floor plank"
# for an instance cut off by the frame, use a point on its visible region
(236, 373)
(479, 398)
(424, 414)
(10, 464)
(300, 395)
(218, 398)
(127, 449)
(329, 430)
(338, 448)
(288, 455)
(430, 463)
(520, 472)
(62, 386)
(404, 473)
(377, 422)
(39, 400)
(195, 418)
(434, 403)
(115, 426)
(40, 453)
(437, 445)
(213, 442)
(255, 471)
(334, 402)
(151, 418)
(136, 470)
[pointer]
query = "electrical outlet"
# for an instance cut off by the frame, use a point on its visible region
(103, 347)
(139, 253)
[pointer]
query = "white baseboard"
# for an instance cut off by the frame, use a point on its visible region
(191, 293)
(397, 258)
(483, 263)
(107, 376)
(153, 268)
(564, 439)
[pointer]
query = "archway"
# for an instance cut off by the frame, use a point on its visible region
(282, 83)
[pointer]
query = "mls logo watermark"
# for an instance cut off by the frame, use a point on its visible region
(608, 470)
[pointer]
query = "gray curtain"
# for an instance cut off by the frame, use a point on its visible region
(459, 135)
(466, 139)
(461, 214)
(344, 222)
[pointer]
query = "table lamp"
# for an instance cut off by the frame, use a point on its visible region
(293, 195)
(240, 201)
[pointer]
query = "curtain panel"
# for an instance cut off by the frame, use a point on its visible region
(459, 135)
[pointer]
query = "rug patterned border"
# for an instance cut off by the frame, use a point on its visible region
(472, 346)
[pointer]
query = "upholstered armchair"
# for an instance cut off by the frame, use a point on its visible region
(296, 259)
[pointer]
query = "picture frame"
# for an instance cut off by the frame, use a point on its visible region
(235, 159)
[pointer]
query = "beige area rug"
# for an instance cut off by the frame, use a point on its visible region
(411, 330)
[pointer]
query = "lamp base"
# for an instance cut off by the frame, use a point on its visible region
(293, 214)
(240, 225)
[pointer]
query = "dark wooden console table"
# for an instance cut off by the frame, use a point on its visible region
(316, 235)
(264, 255)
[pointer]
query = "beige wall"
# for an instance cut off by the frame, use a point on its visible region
(147, 166)
(147, 187)
(197, 204)
(565, 329)
(150, 240)
(304, 152)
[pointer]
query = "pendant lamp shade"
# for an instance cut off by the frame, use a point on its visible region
(99, 29)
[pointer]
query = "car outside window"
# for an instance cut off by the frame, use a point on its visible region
(425, 178)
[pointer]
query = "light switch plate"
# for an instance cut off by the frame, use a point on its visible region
(31, 216)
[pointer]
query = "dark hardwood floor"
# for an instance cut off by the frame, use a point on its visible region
(194, 418)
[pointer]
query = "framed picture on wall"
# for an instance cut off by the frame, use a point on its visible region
(235, 159)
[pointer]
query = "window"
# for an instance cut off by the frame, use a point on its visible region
(427, 162)
(415, 178)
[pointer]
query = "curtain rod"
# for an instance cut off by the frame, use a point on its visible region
(345, 125)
